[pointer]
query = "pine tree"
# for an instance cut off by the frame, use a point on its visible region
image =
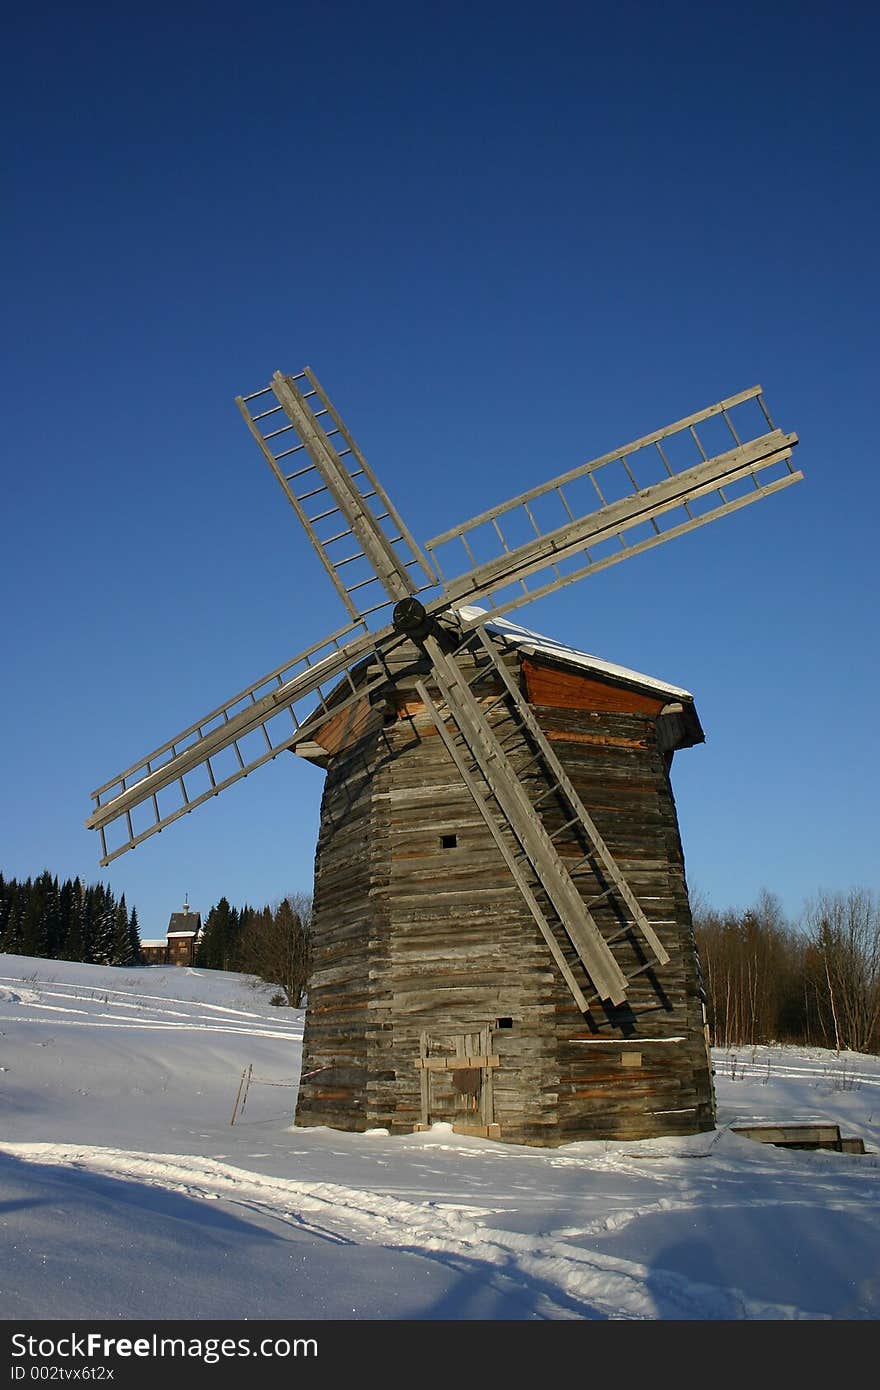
(67, 921)
(65, 913)
(51, 930)
(134, 939)
(220, 946)
(74, 941)
(12, 932)
(90, 918)
(105, 927)
(34, 941)
(120, 946)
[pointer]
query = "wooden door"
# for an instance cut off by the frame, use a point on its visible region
(456, 1081)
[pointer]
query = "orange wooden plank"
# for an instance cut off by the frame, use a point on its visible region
(546, 685)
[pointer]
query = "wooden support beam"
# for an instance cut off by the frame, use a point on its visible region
(507, 789)
(501, 841)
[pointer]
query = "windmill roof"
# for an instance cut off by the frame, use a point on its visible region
(682, 728)
(536, 643)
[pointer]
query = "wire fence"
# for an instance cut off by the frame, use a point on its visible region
(248, 1079)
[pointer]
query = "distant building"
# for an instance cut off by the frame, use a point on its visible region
(180, 943)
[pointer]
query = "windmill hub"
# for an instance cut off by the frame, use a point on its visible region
(409, 617)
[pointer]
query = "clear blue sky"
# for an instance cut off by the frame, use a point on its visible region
(508, 238)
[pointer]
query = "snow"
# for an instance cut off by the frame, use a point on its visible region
(127, 1193)
(534, 642)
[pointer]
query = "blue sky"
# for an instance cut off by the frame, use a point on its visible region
(507, 239)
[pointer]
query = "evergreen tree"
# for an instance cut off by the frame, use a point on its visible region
(34, 940)
(66, 902)
(87, 924)
(120, 948)
(219, 946)
(66, 921)
(12, 931)
(134, 939)
(51, 928)
(74, 942)
(105, 927)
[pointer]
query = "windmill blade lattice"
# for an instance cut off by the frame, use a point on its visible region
(361, 538)
(655, 489)
(252, 727)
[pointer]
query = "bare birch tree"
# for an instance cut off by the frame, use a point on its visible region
(845, 937)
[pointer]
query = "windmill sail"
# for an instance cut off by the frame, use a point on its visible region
(252, 727)
(361, 538)
(650, 491)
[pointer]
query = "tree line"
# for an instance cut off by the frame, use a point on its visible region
(273, 943)
(85, 922)
(67, 921)
(815, 981)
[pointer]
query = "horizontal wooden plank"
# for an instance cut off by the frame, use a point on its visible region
(457, 1063)
(478, 1131)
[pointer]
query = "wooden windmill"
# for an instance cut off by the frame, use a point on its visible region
(502, 937)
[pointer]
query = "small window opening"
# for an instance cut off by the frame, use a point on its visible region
(504, 1023)
(448, 841)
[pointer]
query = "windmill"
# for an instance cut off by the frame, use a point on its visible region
(486, 951)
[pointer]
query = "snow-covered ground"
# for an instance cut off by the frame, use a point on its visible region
(125, 1192)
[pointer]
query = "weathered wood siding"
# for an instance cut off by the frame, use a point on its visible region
(349, 936)
(464, 950)
(653, 1075)
(422, 944)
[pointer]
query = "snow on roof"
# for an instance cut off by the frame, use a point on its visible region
(181, 933)
(535, 642)
(157, 941)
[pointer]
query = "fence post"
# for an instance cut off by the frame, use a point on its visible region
(238, 1097)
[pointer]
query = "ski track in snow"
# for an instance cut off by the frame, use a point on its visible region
(612, 1287)
(96, 992)
(200, 1016)
(843, 1075)
(87, 1020)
